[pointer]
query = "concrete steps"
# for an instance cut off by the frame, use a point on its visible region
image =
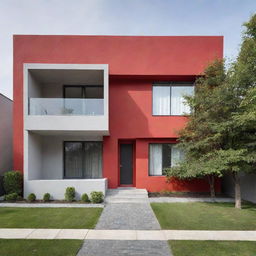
(127, 195)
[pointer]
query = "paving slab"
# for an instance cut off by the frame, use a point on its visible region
(124, 248)
(51, 205)
(189, 200)
(222, 235)
(17, 233)
(43, 234)
(131, 216)
(150, 235)
(112, 234)
(72, 234)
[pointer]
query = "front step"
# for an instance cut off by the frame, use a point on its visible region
(126, 195)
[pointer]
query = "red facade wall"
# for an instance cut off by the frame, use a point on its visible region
(134, 63)
(131, 119)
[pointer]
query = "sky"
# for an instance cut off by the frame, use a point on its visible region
(119, 17)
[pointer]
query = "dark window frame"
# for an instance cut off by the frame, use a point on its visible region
(83, 158)
(170, 85)
(83, 87)
(168, 143)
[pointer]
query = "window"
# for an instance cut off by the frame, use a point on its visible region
(83, 91)
(168, 99)
(162, 156)
(82, 160)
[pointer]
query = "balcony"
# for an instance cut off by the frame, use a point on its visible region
(63, 106)
(66, 99)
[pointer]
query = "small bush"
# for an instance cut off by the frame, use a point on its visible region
(85, 198)
(11, 197)
(70, 194)
(13, 182)
(97, 197)
(46, 197)
(31, 197)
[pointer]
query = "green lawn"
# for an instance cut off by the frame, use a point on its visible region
(21, 247)
(213, 248)
(205, 216)
(49, 217)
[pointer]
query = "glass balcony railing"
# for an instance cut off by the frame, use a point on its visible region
(66, 106)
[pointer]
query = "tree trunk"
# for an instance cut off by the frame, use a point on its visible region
(237, 191)
(211, 180)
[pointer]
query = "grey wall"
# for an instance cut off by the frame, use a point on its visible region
(5, 134)
(34, 88)
(34, 156)
(46, 155)
(248, 186)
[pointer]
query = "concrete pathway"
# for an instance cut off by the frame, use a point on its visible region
(129, 216)
(51, 205)
(126, 235)
(190, 200)
(127, 210)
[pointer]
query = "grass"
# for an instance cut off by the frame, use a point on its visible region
(205, 216)
(14, 217)
(21, 247)
(213, 248)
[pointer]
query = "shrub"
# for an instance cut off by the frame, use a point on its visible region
(11, 197)
(97, 197)
(70, 194)
(13, 182)
(46, 197)
(31, 197)
(85, 198)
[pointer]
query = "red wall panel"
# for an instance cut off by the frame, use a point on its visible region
(134, 63)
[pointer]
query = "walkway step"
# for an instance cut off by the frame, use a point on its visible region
(126, 195)
(126, 200)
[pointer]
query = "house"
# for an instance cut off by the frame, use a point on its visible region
(5, 137)
(97, 112)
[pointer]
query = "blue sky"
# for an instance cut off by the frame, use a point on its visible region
(119, 17)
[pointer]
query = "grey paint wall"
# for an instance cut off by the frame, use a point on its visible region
(5, 134)
(248, 186)
(46, 155)
(34, 156)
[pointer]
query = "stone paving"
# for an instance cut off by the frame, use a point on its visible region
(130, 216)
(124, 248)
(126, 209)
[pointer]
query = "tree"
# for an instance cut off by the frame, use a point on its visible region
(220, 136)
(199, 137)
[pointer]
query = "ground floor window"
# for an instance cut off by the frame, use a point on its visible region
(82, 159)
(163, 156)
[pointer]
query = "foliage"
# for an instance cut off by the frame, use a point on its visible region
(97, 197)
(13, 182)
(85, 198)
(70, 194)
(46, 197)
(11, 197)
(31, 197)
(220, 136)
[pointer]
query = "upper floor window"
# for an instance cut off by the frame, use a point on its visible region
(168, 99)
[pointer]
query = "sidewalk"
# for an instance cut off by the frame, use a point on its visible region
(131, 235)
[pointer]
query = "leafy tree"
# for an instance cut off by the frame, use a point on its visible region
(220, 136)
(199, 137)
